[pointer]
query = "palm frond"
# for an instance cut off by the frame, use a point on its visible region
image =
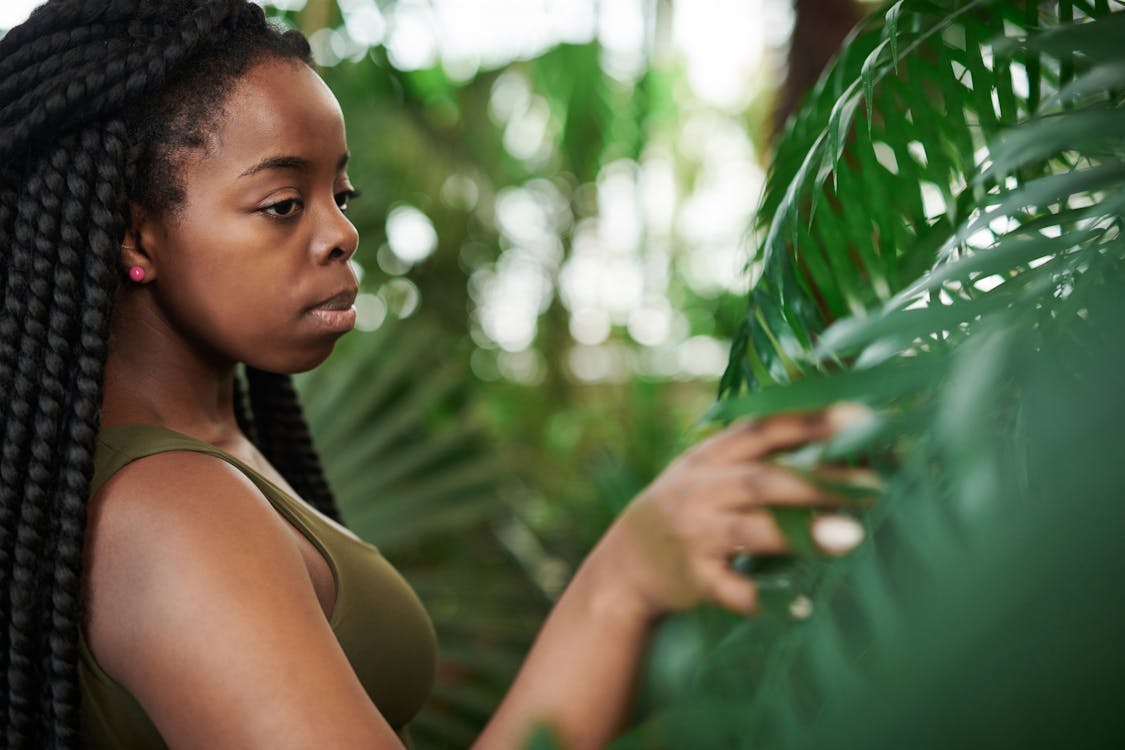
(415, 474)
(987, 333)
(887, 158)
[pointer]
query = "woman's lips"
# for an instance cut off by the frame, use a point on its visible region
(337, 313)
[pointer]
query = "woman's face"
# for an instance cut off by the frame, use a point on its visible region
(253, 265)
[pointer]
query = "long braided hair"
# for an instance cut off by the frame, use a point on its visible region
(99, 101)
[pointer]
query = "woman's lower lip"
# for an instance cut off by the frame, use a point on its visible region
(334, 320)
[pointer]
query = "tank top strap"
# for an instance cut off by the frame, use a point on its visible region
(122, 444)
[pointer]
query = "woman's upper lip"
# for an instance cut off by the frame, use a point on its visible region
(339, 301)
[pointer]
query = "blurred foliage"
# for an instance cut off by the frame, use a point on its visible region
(942, 240)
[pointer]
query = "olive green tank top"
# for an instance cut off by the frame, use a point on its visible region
(378, 620)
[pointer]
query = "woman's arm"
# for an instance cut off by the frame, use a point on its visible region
(669, 551)
(578, 677)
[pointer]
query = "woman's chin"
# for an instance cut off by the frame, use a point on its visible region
(295, 362)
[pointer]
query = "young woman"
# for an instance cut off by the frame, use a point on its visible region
(173, 196)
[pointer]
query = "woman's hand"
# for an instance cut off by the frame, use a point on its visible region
(670, 550)
(672, 547)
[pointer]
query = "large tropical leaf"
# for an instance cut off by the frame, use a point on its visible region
(980, 611)
(885, 162)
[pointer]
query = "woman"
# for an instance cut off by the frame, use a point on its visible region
(173, 204)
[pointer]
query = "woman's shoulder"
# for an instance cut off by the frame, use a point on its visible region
(176, 504)
(195, 587)
(166, 481)
(172, 498)
(165, 531)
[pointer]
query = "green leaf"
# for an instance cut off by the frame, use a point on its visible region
(1045, 191)
(867, 73)
(1083, 131)
(1000, 259)
(891, 20)
(1095, 82)
(1098, 42)
(840, 123)
(877, 385)
(906, 325)
(795, 525)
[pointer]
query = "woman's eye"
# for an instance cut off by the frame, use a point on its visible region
(344, 197)
(283, 209)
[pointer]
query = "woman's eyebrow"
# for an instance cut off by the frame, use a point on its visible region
(298, 163)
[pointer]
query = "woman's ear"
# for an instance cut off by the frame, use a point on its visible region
(136, 246)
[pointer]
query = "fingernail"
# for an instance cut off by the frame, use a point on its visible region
(848, 414)
(837, 535)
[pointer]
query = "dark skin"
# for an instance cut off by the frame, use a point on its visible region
(196, 585)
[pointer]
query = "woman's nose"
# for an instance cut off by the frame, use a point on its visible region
(338, 239)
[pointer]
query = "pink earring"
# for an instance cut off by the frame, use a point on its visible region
(137, 274)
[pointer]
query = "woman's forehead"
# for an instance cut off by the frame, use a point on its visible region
(278, 108)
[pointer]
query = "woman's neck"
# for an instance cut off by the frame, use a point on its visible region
(154, 376)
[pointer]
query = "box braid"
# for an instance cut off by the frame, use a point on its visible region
(284, 439)
(270, 415)
(99, 101)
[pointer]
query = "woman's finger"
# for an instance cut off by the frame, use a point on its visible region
(856, 477)
(756, 485)
(754, 533)
(758, 533)
(734, 591)
(757, 439)
(854, 486)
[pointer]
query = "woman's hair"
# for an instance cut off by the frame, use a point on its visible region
(100, 101)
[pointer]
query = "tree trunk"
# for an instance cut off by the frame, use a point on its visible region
(820, 28)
